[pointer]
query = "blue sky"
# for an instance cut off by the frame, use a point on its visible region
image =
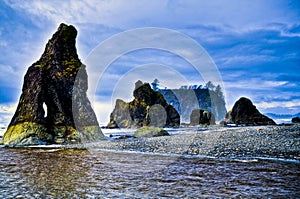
(254, 44)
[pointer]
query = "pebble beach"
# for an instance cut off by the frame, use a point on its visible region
(274, 141)
(278, 141)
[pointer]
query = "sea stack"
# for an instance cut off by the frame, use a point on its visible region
(201, 117)
(245, 113)
(149, 108)
(58, 83)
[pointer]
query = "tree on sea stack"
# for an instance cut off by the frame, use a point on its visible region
(148, 108)
(51, 81)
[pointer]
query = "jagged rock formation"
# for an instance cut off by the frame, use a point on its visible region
(244, 112)
(199, 116)
(58, 80)
(149, 108)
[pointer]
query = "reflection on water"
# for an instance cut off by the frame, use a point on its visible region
(52, 173)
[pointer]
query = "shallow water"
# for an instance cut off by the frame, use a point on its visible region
(61, 173)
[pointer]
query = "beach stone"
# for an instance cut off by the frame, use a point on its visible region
(58, 82)
(245, 113)
(150, 132)
(148, 108)
(199, 116)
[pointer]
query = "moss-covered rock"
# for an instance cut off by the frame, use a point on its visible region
(26, 133)
(59, 81)
(148, 131)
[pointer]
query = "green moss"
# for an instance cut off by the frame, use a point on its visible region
(89, 134)
(143, 103)
(18, 134)
(72, 63)
(150, 132)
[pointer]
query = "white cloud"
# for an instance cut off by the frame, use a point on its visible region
(6, 112)
(110, 13)
(288, 104)
(242, 59)
(8, 108)
(257, 89)
(253, 84)
(103, 110)
(139, 13)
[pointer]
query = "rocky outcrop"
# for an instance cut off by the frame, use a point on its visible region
(201, 117)
(147, 132)
(295, 120)
(57, 81)
(149, 108)
(244, 112)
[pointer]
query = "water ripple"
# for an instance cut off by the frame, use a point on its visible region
(39, 173)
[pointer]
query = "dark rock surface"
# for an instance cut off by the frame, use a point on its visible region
(59, 81)
(199, 116)
(295, 120)
(149, 108)
(244, 112)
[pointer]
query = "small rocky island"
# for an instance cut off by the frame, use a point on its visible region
(149, 108)
(57, 81)
(245, 113)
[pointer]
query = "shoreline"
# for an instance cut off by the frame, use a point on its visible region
(263, 142)
(239, 142)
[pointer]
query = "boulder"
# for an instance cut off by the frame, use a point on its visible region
(295, 120)
(150, 132)
(202, 117)
(148, 108)
(58, 82)
(245, 113)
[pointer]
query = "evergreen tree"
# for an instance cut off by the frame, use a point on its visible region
(209, 85)
(219, 92)
(155, 85)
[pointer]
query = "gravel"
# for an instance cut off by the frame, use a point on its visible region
(246, 142)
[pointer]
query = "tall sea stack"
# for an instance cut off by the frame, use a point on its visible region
(58, 83)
